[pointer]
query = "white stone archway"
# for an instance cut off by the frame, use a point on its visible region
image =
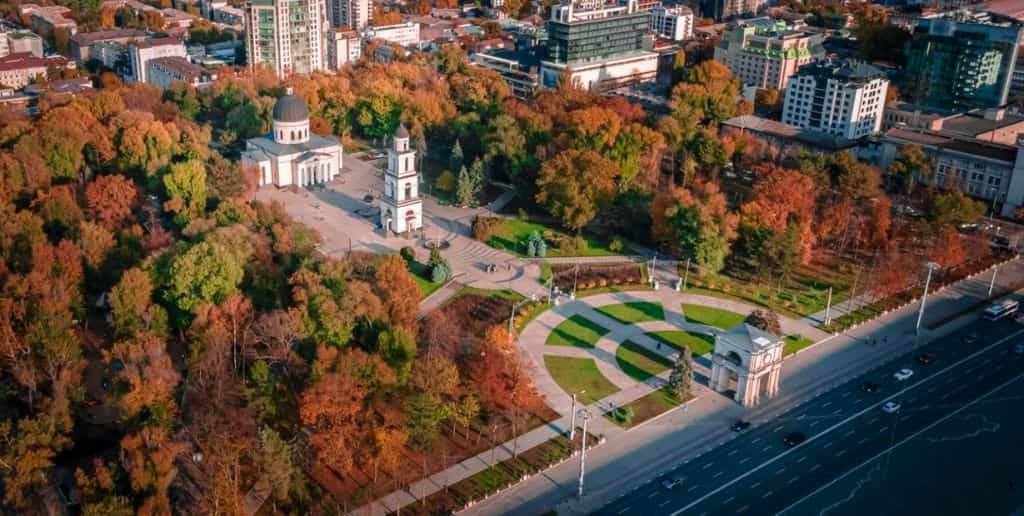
(752, 359)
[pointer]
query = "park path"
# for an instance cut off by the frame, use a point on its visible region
(532, 345)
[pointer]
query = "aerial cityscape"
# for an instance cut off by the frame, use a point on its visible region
(545, 258)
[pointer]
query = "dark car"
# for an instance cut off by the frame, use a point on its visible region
(793, 439)
(671, 483)
(870, 387)
(740, 425)
(926, 358)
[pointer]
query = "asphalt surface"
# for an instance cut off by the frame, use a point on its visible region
(966, 464)
(757, 474)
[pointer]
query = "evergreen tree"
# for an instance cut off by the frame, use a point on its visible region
(457, 158)
(469, 184)
(681, 378)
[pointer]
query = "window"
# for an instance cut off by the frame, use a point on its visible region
(408, 190)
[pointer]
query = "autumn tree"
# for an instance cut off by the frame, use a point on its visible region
(132, 307)
(331, 405)
(697, 223)
(150, 377)
(575, 185)
(765, 320)
(398, 290)
(784, 197)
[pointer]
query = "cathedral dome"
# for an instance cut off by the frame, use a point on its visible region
(290, 109)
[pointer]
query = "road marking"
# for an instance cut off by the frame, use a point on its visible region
(733, 452)
(846, 394)
(769, 493)
(716, 475)
(905, 439)
(827, 444)
(851, 432)
(744, 459)
(815, 467)
(755, 440)
(841, 453)
(838, 410)
(813, 423)
(766, 448)
(662, 504)
(873, 420)
(755, 484)
(692, 488)
(744, 508)
(840, 423)
(780, 471)
(799, 418)
(826, 404)
(882, 430)
(862, 441)
(652, 495)
(731, 498)
(794, 479)
(780, 426)
(708, 465)
(624, 510)
(801, 459)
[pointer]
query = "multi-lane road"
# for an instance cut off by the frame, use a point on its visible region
(847, 436)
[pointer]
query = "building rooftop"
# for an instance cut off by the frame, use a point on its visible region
(23, 60)
(290, 108)
(159, 42)
(182, 66)
(974, 16)
(267, 144)
(750, 338)
(849, 71)
(90, 38)
(971, 146)
(979, 121)
(786, 131)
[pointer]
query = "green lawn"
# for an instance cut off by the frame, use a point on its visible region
(647, 407)
(511, 235)
(639, 362)
(578, 375)
(630, 313)
(699, 343)
(576, 331)
(795, 343)
(709, 316)
(419, 273)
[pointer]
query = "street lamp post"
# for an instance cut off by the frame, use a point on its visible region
(931, 266)
(992, 283)
(828, 307)
(515, 306)
(572, 421)
(583, 453)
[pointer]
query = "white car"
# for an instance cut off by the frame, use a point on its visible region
(903, 374)
(891, 407)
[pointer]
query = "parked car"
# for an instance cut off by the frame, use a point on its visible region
(891, 407)
(926, 358)
(903, 374)
(870, 387)
(740, 425)
(671, 483)
(794, 438)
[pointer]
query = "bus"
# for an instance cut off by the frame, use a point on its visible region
(1001, 309)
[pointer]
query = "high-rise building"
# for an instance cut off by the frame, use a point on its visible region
(344, 46)
(840, 98)
(725, 9)
(961, 60)
(675, 23)
(286, 35)
(602, 45)
(354, 14)
(765, 53)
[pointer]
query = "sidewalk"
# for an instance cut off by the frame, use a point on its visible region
(645, 452)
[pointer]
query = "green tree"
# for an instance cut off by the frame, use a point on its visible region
(205, 273)
(398, 349)
(576, 185)
(445, 182)
(278, 467)
(186, 191)
(679, 66)
(132, 307)
(697, 223)
(954, 208)
(424, 412)
(680, 380)
(456, 160)
(912, 167)
(183, 96)
(469, 184)
(262, 392)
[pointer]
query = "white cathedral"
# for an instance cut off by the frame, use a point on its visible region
(401, 208)
(291, 155)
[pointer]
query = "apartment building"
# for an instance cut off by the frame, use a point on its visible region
(765, 53)
(354, 14)
(841, 98)
(675, 23)
(289, 36)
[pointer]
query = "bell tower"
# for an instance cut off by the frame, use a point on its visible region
(401, 208)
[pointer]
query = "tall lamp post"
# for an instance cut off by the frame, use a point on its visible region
(931, 266)
(572, 422)
(515, 306)
(583, 453)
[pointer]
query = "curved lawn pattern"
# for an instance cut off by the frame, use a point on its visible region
(722, 319)
(578, 375)
(639, 362)
(699, 343)
(630, 313)
(576, 331)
